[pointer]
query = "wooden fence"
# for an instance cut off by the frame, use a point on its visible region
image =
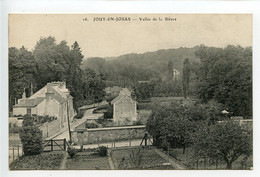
(15, 152)
(55, 145)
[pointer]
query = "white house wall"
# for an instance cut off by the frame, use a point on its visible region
(41, 108)
(19, 111)
(125, 108)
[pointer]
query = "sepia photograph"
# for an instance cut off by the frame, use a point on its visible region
(130, 91)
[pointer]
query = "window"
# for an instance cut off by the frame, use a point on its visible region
(29, 111)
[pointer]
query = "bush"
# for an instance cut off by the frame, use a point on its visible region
(30, 120)
(91, 125)
(72, 152)
(109, 113)
(138, 123)
(31, 138)
(145, 106)
(79, 115)
(102, 151)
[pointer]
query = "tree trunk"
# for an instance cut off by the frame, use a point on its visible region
(229, 165)
(183, 149)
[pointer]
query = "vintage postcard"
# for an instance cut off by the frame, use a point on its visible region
(130, 92)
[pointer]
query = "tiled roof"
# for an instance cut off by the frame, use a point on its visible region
(29, 102)
(116, 99)
(120, 97)
(58, 96)
(59, 90)
(123, 93)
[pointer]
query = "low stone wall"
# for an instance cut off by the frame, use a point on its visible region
(111, 134)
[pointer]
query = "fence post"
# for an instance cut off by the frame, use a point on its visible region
(64, 144)
(51, 145)
(13, 153)
(18, 151)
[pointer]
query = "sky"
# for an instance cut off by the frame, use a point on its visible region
(105, 38)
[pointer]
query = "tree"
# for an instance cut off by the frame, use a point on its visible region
(143, 91)
(169, 125)
(59, 62)
(186, 77)
(226, 76)
(31, 137)
(74, 78)
(22, 71)
(226, 140)
(94, 86)
(50, 60)
(170, 70)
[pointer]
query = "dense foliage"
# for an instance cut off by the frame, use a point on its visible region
(31, 137)
(49, 62)
(225, 75)
(102, 151)
(91, 125)
(127, 70)
(22, 71)
(29, 120)
(226, 141)
(186, 77)
(72, 151)
(195, 125)
(222, 74)
(172, 125)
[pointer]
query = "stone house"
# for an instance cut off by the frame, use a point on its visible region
(53, 99)
(124, 108)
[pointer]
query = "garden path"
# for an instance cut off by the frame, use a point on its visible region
(173, 162)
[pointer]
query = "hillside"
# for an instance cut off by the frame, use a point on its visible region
(134, 67)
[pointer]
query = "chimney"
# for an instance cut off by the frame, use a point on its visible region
(31, 89)
(49, 94)
(63, 85)
(24, 94)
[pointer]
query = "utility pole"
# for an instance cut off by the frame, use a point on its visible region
(68, 119)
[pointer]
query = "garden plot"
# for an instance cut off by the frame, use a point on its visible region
(137, 159)
(44, 161)
(87, 161)
(190, 162)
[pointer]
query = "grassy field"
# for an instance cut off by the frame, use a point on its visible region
(138, 159)
(190, 163)
(87, 161)
(166, 99)
(44, 161)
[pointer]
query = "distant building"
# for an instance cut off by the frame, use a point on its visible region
(115, 90)
(50, 100)
(176, 73)
(124, 108)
